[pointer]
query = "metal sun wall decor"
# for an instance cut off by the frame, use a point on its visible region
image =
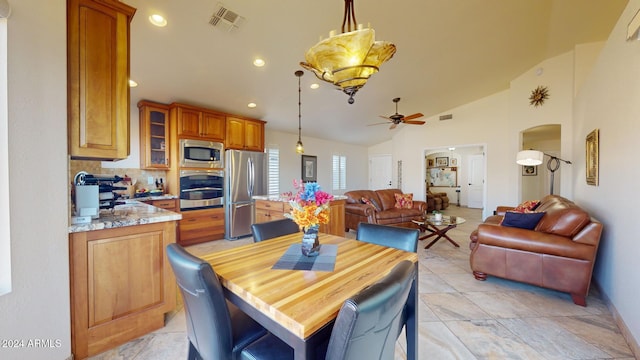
(538, 96)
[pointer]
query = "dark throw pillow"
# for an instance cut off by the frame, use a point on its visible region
(522, 220)
(371, 202)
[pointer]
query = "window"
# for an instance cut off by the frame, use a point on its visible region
(339, 172)
(273, 154)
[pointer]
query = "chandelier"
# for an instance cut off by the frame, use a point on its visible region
(347, 60)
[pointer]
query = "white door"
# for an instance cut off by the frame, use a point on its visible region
(380, 172)
(475, 188)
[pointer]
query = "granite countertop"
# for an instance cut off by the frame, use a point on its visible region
(153, 197)
(132, 213)
(279, 198)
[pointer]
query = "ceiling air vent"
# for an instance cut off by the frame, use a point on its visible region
(446, 117)
(225, 19)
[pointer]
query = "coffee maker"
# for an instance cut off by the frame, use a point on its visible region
(95, 192)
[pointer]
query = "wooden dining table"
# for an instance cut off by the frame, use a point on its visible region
(300, 306)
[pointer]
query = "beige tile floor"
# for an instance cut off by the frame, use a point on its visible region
(460, 317)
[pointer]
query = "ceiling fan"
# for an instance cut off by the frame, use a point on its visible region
(399, 118)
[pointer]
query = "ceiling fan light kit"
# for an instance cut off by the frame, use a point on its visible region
(347, 60)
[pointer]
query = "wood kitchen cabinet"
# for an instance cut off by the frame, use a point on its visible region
(167, 204)
(244, 134)
(97, 78)
(199, 226)
(198, 123)
(154, 135)
(121, 285)
(268, 210)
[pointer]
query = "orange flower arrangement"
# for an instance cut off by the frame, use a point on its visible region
(310, 206)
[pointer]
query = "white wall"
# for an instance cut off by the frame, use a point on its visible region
(480, 122)
(609, 101)
(290, 162)
(38, 306)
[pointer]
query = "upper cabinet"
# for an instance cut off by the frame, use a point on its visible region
(198, 123)
(97, 78)
(154, 135)
(244, 134)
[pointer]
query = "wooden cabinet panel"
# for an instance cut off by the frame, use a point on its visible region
(244, 134)
(167, 204)
(199, 226)
(97, 76)
(154, 135)
(336, 219)
(121, 285)
(198, 123)
(213, 126)
(270, 210)
(188, 122)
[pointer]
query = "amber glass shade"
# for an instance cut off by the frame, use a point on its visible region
(347, 60)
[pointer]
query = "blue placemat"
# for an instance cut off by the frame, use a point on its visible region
(294, 260)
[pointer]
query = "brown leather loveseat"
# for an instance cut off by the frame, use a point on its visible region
(382, 209)
(559, 253)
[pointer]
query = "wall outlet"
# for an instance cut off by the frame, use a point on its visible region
(150, 180)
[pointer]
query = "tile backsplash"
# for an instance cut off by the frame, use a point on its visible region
(138, 176)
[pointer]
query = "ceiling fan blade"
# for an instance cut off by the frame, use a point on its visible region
(414, 116)
(380, 123)
(393, 126)
(386, 117)
(414, 122)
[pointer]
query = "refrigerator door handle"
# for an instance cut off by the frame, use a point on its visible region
(251, 177)
(243, 205)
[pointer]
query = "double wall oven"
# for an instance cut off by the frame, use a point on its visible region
(201, 184)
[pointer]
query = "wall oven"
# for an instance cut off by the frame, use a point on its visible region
(201, 154)
(201, 189)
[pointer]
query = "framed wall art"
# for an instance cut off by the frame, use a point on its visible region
(529, 170)
(453, 162)
(429, 163)
(309, 168)
(442, 161)
(592, 157)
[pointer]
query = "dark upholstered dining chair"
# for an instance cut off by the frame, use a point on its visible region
(271, 229)
(366, 327)
(392, 236)
(216, 329)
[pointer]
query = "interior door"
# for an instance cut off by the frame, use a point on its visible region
(475, 182)
(380, 172)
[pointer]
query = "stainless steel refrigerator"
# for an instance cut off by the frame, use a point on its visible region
(245, 177)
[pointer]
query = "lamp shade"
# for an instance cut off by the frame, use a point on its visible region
(529, 157)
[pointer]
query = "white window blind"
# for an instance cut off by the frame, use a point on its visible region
(273, 154)
(339, 172)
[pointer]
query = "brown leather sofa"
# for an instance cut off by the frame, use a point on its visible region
(559, 253)
(356, 211)
(437, 201)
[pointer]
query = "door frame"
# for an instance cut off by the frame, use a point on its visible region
(433, 149)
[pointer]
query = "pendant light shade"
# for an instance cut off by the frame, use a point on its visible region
(299, 146)
(347, 60)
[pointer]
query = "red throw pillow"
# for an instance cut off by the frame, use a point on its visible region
(527, 206)
(404, 201)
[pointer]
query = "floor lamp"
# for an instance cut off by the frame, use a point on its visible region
(535, 157)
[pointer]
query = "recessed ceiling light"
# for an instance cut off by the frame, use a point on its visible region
(132, 83)
(251, 105)
(158, 20)
(258, 62)
(314, 86)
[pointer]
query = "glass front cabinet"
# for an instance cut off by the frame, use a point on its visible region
(154, 135)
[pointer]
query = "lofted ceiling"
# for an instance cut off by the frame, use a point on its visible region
(449, 52)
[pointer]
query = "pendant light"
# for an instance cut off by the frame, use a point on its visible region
(347, 60)
(299, 146)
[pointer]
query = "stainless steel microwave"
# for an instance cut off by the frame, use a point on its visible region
(201, 154)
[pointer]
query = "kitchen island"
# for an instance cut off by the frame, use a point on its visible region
(121, 282)
(269, 208)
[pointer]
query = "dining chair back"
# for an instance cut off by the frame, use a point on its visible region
(215, 329)
(272, 229)
(392, 236)
(367, 325)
